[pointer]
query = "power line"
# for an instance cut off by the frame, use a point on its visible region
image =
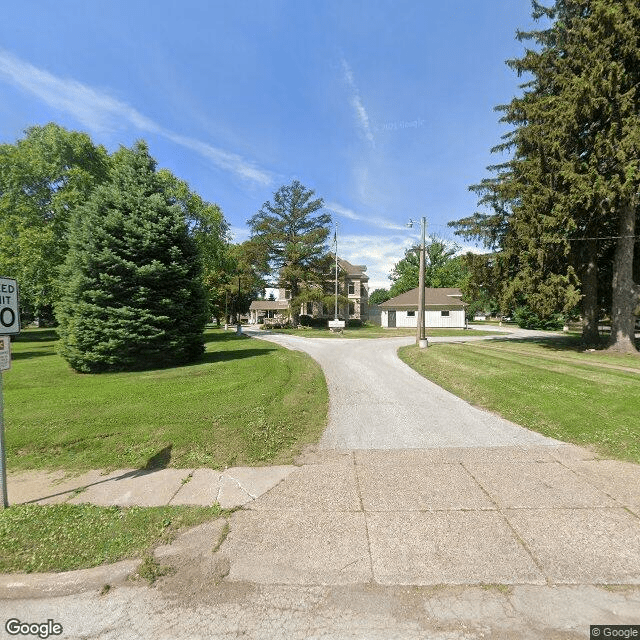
(602, 238)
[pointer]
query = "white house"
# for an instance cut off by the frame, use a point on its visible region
(443, 308)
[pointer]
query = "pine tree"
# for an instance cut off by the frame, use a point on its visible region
(132, 291)
(565, 204)
(293, 234)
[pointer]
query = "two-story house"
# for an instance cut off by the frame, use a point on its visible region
(353, 284)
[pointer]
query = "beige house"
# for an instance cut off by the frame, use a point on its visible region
(353, 284)
(443, 308)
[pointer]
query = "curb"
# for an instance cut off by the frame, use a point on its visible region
(15, 586)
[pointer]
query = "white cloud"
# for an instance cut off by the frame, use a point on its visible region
(360, 217)
(239, 234)
(362, 117)
(378, 252)
(100, 112)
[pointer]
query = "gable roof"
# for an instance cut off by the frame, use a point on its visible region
(353, 270)
(433, 297)
(269, 305)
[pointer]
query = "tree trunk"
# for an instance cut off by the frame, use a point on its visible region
(590, 310)
(625, 293)
(294, 305)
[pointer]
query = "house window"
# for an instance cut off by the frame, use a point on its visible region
(352, 308)
(287, 294)
(411, 314)
(352, 288)
(444, 314)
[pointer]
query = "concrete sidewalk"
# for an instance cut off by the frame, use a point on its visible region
(230, 488)
(448, 516)
(445, 543)
(475, 515)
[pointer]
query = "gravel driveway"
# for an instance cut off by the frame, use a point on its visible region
(378, 402)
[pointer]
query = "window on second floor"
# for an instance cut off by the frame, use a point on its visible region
(352, 288)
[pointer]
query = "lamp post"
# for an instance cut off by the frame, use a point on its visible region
(421, 334)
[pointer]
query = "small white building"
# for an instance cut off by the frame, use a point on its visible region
(443, 308)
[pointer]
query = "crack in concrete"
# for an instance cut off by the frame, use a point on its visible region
(366, 523)
(224, 475)
(518, 537)
(184, 481)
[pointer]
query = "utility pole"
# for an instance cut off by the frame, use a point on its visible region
(421, 333)
(335, 240)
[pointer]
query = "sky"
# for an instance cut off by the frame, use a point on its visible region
(385, 108)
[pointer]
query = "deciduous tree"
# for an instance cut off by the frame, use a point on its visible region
(442, 268)
(43, 177)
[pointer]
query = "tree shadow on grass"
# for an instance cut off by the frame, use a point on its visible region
(28, 355)
(159, 460)
(36, 335)
(564, 343)
(227, 356)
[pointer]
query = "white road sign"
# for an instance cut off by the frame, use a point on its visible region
(5, 353)
(9, 310)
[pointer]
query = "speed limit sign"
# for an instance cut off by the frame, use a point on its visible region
(9, 309)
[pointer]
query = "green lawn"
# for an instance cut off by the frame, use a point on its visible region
(549, 386)
(63, 537)
(369, 331)
(246, 402)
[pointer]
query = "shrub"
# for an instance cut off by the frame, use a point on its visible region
(527, 319)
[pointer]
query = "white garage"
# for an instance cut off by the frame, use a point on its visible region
(443, 308)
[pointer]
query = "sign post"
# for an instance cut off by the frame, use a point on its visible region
(9, 325)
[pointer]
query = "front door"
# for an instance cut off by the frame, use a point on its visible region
(391, 318)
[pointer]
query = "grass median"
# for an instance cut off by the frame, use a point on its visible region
(246, 401)
(547, 385)
(370, 331)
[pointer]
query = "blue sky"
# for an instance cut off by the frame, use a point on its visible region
(384, 108)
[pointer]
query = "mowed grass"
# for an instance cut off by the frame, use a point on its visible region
(63, 537)
(549, 386)
(246, 402)
(370, 331)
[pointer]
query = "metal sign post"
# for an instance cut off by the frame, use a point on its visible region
(5, 363)
(9, 325)
(3, 458)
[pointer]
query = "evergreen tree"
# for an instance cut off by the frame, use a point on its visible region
(132, 290)
(292, 233)
(565, 205)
